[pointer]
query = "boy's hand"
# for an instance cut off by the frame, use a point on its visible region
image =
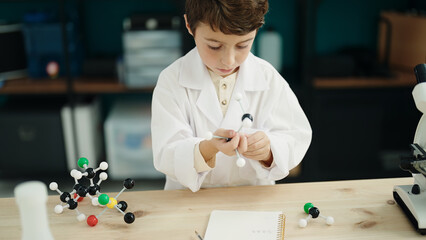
(222, 145)
(209, 148)
(259, 148)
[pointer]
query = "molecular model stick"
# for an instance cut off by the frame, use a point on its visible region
(246, 121)
(80, 191)
(313, 213)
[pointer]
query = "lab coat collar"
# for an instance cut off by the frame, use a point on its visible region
(194, 75)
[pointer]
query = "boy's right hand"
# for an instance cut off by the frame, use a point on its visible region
(209, 148)
(222, 145)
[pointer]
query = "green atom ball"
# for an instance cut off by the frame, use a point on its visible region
(83, 161)
(103, 199)
(307, 206)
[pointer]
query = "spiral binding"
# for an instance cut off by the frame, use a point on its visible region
(281, 227)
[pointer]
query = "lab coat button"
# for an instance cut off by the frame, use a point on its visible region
(224, 86)
(224, 102)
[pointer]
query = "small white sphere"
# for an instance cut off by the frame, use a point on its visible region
(103, 165)
(81, 217)
(95, 201)
(329, 220)
(59, 209)
(78, 175)
(72, 173)
(238, 96)
(53, 186)
(241, 162)
(103, 176)
(303, 223)
(209, 135)
(247, 123)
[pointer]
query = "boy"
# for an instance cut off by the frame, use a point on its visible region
(196, 95)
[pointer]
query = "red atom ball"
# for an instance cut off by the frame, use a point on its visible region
(79, 199)
(92, 220)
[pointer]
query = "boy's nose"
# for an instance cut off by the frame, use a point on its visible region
(228, 58)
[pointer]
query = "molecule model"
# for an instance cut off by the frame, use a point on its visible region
(121, 206)
(71, 199)
(313, 213)
(246, 121)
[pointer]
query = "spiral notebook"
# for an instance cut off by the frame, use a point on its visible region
(245, 225)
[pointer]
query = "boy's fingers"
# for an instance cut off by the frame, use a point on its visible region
(225, 133)
(242, 147)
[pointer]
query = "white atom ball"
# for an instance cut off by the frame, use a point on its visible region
(81, 217)
(303, 223)
(209, 135)
(329, 220)
(241, 162)
(53, 186)
(59, 209)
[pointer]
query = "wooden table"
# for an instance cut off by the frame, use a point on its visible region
(362, 209)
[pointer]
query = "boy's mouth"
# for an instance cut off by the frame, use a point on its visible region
(225, 70)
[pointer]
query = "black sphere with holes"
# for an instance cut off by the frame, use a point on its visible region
(65, 196)
(314, 212)
(93, 189)
(247, 115)
(72, 204)
(129, 183)
(77, 186)
(90, 173)
(129, 217)
(123, 205)
(82, 191)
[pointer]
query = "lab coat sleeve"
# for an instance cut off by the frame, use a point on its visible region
(173, 139)
(289, 133)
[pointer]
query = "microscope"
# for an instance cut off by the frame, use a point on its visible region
(412, 198)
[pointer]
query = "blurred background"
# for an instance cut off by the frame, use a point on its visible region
(76, 80)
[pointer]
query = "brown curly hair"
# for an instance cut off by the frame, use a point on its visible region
(238, 17)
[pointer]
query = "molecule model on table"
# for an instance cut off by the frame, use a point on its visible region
(313, 213)
(121, 206)
(246, 121)
(70, 199)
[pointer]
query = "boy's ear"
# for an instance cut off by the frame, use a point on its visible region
(187, 25)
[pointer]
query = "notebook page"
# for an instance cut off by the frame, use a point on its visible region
(244, 225)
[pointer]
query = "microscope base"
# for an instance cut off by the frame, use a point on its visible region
(413, 205)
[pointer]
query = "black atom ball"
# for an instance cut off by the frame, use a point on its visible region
(77, 186)
(314, 211)
(129, 217)
(65, 196)
(72, 204)
(129, 183)
(90, 173)
(123, 205)
(82, 191)
(247, 115)
(93, 189)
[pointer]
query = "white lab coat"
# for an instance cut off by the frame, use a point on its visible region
(185, 107)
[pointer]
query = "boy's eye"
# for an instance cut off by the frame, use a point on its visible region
(242, 47)
(214, 48)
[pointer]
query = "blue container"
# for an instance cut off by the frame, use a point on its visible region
(43, 42)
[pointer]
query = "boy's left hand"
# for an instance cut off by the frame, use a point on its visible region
(258, 147)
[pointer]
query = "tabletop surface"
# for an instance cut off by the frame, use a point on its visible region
(362, 209)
